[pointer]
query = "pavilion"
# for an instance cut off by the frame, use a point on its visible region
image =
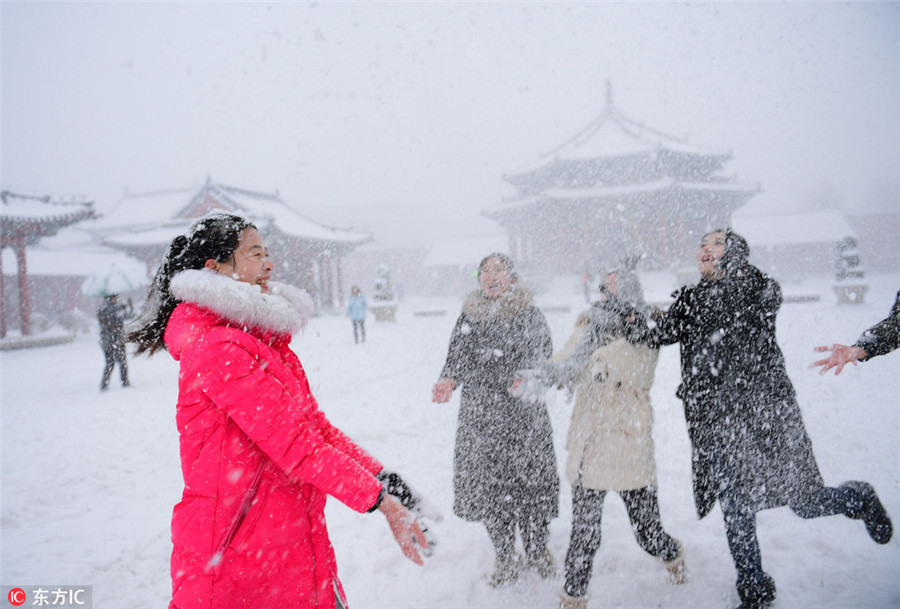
(23, 220)
(616, 188)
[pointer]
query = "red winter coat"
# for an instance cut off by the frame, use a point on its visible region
(245, 412)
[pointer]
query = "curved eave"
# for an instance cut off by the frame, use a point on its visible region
(270, 211)
(616, 194)
(41, 225)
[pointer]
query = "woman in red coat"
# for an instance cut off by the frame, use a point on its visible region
(258, 456)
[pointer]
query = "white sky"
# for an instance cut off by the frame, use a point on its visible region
(358, 110)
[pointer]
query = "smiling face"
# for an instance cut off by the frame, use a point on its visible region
(610, 282)
(712, 247)
(249, 262)
(494, 278)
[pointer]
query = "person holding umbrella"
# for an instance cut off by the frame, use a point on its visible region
(112, 315)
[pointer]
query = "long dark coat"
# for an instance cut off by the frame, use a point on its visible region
(504, 459)
(112, 318)
(745, 426)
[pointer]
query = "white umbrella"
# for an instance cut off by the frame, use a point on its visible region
(115, 279)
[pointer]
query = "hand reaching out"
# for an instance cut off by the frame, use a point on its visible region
(841, 355)
(405, 528)
(442, 390)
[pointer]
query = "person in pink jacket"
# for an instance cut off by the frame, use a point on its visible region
(258, 456)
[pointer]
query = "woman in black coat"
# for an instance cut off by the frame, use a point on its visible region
(504, 465)
(750, 448)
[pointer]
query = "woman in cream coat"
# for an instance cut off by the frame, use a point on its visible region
(610, 442)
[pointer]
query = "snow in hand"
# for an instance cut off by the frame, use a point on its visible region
(89, 479)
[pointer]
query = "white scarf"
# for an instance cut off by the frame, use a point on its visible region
(285, 309)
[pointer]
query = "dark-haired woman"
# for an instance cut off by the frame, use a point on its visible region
(750, 447)
(258, 456)
(610, 441)
(504, 465)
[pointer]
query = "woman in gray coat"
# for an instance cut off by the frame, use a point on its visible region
(504, 465)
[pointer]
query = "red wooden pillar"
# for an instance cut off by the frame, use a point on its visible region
(24, 293)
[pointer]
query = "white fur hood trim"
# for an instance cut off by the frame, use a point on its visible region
(285, 309)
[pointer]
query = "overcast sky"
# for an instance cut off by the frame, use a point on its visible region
(416, 110)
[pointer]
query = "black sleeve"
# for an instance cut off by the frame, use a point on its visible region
(884, 336)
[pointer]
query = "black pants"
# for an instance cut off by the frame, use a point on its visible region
(740, 528)
(587, 511)
(534, 527)
(114, 355)
(359, 327)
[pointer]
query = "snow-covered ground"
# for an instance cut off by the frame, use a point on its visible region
(90, 478)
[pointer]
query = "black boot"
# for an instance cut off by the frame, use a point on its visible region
(871, 511)
(756, 592)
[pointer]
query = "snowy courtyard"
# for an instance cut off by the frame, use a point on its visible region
(90, 478)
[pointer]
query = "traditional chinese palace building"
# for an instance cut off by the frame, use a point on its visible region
(306, 253)
(24, 219)
(617, 188)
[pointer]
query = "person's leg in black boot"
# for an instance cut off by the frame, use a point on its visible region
(107, 369)
(756, 588)
(502, 531)
(123, 365)
(643, 512)
(587, 513)
(868, 507)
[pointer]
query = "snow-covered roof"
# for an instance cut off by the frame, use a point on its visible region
(143, 210)
(75, 262)
(795, 228)
(151, 236)
(612, 134)
(629, 189)
(40, 214)
(272, 208)
(158, 217)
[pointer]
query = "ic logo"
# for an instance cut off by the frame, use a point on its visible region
(16, 597)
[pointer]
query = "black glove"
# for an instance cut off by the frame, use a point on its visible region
(397, 488)
(394, 486)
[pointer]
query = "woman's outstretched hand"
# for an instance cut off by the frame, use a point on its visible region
(442, 390)
(405, 528)
(841, 355)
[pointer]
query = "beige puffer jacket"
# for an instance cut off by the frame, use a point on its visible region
(610, 441)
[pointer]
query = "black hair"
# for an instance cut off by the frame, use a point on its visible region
(504, 260)
(214, 236)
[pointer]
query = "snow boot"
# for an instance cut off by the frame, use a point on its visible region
(571, 602)
(544, 564)
(676, 566)
(872, 512)
(756, 592)
(506, 571)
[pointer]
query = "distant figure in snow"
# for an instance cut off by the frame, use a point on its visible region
(610, 440)
(750, 447)
(112, 315)
(880, 339)
(504, 467)
(258, 456)
(356, 311)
